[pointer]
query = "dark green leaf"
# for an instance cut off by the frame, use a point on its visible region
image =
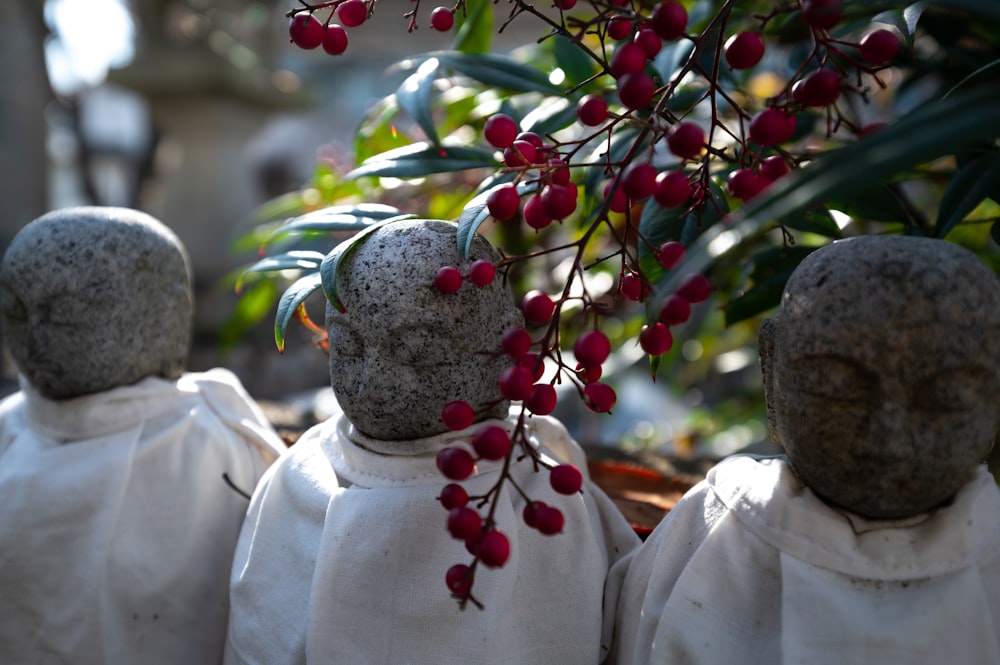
(336, 218)
(814, 221)
(294, 260)
(414, 96)
(421, 159)
(965, 81)
(970, 185)
(608, 152)
(475, 32)
(290, 301)
(493, 70)
(550, 117)
(876, 204)
(576, 64)
(995, 232)
(671, 57)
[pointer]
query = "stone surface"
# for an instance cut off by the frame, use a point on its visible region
(95, 298)
(404, 349)
(882, 372)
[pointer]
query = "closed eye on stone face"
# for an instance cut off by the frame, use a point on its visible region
(13, 308)
(957, 389)
(421, 346)
(830, 377)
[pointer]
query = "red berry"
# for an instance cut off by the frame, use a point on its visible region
(564, 4)
(453, 495)
(558, 172)
(619, 26)
(639, 180)
(549, 520)
(542, 400)
(633, 287)
(531, 137)
(820, 88)
(494, 548)
(464, 523)
(442, 19)
(459, 579)
(744, 50)
(655, 339)
(521, 153)
(671, 189)
(516, 383)
(503, 202)
(628, 58)
(675, 310)
(537, 307)
(772, 126)
(534, 213)
(491, 442)
(455, 463)
(558, 201)
(879, 47)
(530, 512)
(592, 348)
(600, 397)
(695, 288)
(773, 167)
(635, 90)
(482, 272)
(334, 39)
(457, 415)
(669, 254)
(566, 479)
(500, 131)
(589, 374)
(686, 140)
(618, 200)
(448, 279)
(669, 20)
(744, 184)
(515, 342)
(353, 13)
(305, 31)
(592, 111)
(821, 14)
(649, 41)
(531, 363)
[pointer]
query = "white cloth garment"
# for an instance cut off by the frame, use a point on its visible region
(117, 529)
(752, 567)
(344, 553)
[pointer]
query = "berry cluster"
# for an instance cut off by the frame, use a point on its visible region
(308, 32)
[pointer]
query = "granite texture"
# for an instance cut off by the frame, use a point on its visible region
(404, 349)
(94, 298)
(882, 372)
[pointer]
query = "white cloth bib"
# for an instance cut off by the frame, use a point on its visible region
(352, 571)
(117, 528)
(752, 567)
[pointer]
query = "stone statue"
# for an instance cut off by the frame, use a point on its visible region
(875, 539)
(344, 552)
(118, 526)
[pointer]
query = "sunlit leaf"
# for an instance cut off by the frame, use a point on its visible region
(421, 159)
(252, 307)
(475, 31)
(294, 296)
(336, 218)
(577, 66)
(414, 96)
(550, 117)
(294, 260)
(491, 69)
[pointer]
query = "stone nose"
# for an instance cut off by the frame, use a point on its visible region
(892, 427)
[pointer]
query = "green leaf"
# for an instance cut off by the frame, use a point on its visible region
(475, 31)
(491, 69)
(420, 159)
(414, 96)
(970, 185)
(251, 308)
(294, 260)
(294, 296)
(876, 204)
(819, 222)
(670, 58)
(331, 264)
(904, 20)
(550, 117)
(995, 232)
(772, 268)
(336, 218)
(965, 81)
(570, 58)
(476, 212)
(377, 132)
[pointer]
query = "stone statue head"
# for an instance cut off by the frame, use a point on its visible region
(882, 372)
(403, 349)
(94, 298)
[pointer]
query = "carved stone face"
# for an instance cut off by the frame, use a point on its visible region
(404, 349)
(881, 372)
(94, 298)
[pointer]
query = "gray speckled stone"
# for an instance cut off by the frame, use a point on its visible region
(95, 298)
(882, 372)
(403, 349)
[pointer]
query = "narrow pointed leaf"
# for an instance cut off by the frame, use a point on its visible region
(336, 218)
(969, 186)
(576, 64)
(493, 70)
(294, 260)
(414, 96)
(475, 32)
(328, 268)
(421, 159)
(290, 301)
